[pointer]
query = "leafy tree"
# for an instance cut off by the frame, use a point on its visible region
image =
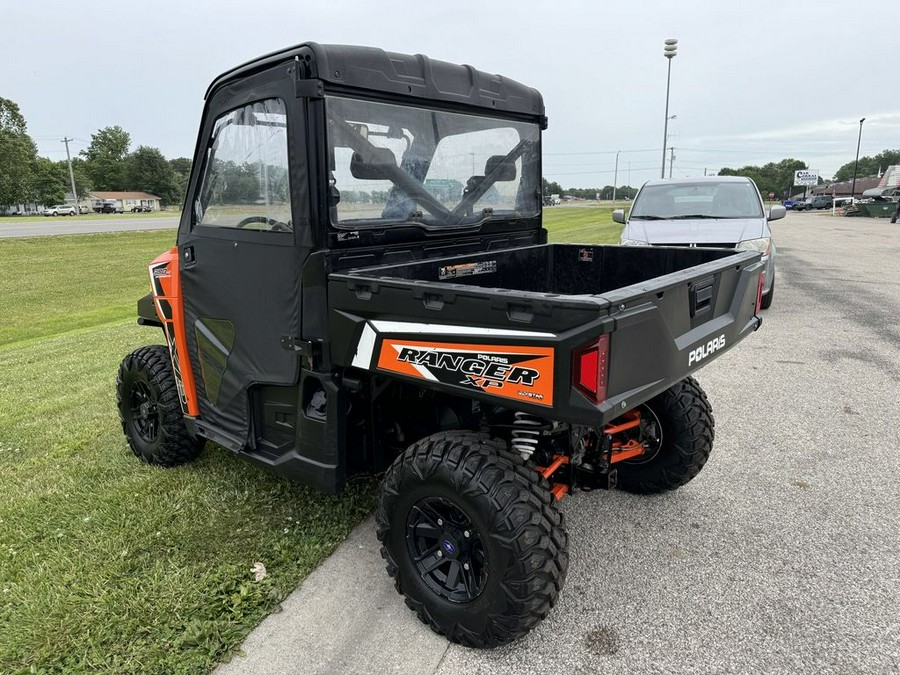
(105, 158)
(868, 166)
(182, 168)
(551, 187)
(771, 177)
(49, 181)
(146, 169)
(18, 154)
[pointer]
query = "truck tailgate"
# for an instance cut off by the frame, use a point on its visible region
(517, 347)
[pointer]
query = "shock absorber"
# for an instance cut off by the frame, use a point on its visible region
(526, 434)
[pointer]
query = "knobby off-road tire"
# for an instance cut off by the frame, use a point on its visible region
(494, 516)
(686, 439)
(150, 410)
(766, 300)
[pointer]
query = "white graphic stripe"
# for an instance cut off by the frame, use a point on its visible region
(363, 356)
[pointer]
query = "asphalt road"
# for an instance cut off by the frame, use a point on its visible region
(39, 226)
(782, 556)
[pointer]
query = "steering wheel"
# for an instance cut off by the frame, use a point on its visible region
(274, 225)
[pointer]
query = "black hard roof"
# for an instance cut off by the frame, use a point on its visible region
(417, 76)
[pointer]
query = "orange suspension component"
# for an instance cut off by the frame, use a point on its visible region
(629, 449)
(557, 462)
(632, 420)
(559, 490)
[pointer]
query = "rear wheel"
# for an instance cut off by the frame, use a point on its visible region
(683, 436)
(150, 409)
(474, 543)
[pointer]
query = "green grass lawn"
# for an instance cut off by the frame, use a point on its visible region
(109, 565)
(581, 224)
(106, 564)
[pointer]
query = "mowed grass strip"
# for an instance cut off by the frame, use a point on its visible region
(581, 225)
(109, 565)
(106, 564)
(50, 285)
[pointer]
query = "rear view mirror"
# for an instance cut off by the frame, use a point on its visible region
(505, 170)
(379, 159)
(361, 129)
(619, 216)
(776, 211)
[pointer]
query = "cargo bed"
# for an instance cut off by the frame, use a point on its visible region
(666, 311)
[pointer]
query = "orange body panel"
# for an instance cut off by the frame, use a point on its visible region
(165, 283)
(508, 371)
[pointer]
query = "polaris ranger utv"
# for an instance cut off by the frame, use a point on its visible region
(361, 284)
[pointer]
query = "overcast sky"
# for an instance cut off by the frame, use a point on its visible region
(752, 82)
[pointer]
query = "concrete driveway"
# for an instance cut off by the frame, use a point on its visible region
(782, 556)
(38, 226)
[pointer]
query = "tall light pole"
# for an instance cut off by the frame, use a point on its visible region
(616, 176)
(669, 52)
(856, 163)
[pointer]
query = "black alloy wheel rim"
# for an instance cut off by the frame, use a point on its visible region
(145, 414)
(446, 549)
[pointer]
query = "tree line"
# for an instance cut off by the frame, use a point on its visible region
(777, 177)
(107, 164)
(550, 187)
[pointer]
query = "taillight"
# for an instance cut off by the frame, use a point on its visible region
(590, 367)
(759, 291)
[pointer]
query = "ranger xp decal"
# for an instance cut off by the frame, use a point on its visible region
(520, 373)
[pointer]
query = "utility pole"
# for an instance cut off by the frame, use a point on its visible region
(71, 174)
(671, 160)
(616, 177)
(856, 163)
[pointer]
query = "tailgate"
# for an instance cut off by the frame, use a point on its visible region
(666, 329)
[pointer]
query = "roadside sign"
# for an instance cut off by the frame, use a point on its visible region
(771, 195)
(806, 177)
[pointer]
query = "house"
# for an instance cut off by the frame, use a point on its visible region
(127, 200)
(843, 188)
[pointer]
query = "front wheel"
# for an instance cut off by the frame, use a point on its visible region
(474, 543)
(150, 409)
(766, 301)
(682, 439)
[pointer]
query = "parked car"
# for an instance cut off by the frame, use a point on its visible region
(820, 202)
(59, 210)
(83, 209)
(708, 212)
(801, 205)
(788, 204)
(140, 208)
(108, 206)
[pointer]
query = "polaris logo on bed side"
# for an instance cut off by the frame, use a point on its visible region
(701, 352)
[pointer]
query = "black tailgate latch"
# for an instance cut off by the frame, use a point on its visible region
(701, 297)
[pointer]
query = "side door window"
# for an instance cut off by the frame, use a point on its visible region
(245, 182)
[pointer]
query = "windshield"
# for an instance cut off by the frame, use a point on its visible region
(402, 164)
(697, 200)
